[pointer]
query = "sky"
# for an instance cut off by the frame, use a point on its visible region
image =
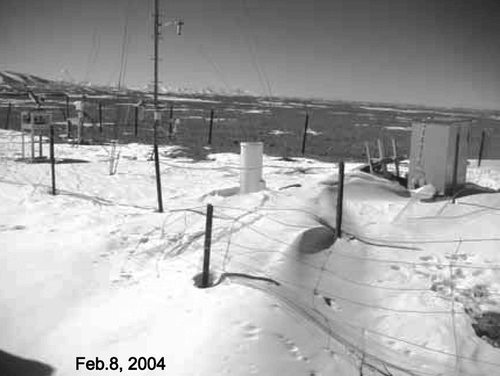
(440, 53)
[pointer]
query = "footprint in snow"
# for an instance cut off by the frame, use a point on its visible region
(251, 331)
(332, 303)
(292, 348)
(425, 258)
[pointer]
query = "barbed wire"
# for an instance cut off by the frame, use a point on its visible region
(417, 263)
(253, 250)
(263, 213)
(284, 282)
(305, 312)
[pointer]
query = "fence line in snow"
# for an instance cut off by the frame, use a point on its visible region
(254, 250)
(328, 296)
(322, 272)
(129, 124)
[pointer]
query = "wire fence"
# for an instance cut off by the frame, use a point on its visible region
(331, 133)
(312, 281)
(245, 261)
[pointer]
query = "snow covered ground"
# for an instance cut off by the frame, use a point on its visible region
(95, 271)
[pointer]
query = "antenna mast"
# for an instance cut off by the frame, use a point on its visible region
(156, 112)
(156, 38)
(157, 115)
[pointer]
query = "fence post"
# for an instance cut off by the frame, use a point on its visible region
(40, 146)
(455, 165)
(116, 126)
(67, 107)
(395, 156)
(340, 198)
(22, 144)
(100, 117)
(211, 126)
(52, 160)
(206, 253)
(136, 120)
(68, 129)
(381, 154)
(304, 137)
(8, 116)
(32, 133)
(171, 120)
(481, 148)
(367, 148)
(112, 157)
(158, 178)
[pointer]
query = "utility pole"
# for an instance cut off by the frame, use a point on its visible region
(157, 114)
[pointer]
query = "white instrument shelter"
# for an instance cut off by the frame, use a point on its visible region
(36, 123)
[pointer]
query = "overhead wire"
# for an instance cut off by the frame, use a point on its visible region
(254, 51)
(94, 54)
(124, 47)
(246, 38)
(214, 66)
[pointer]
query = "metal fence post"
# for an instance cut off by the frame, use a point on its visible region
(340, 199)
(208, 240)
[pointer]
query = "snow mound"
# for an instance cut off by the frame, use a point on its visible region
(97, 271)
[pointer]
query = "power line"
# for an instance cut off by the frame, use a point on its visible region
(125, 46)
(249, 45)
(214, 66)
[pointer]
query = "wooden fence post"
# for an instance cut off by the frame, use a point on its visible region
(367, 148)
(171, 120)
(481, 149)
(112, 157)
(395, 156)
(381, 154)
(9, 109)
(340, 199)
(68, 129)
(136, 120)
(304, 137)
(52, 160)
(158, 179)
(211, 126)
(40, 146)
(67, 107)
(116, 125)
(205, 280)
(455, 165)
(100, 117)
(157, 117)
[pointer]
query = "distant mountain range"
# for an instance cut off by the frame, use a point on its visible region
(14, 84)
(21, 82)
(15, 81)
